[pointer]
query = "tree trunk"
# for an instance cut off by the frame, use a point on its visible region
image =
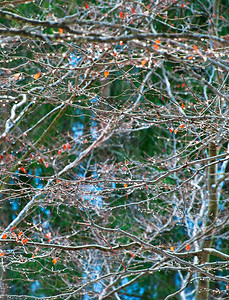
(203, 285)
(202, 292)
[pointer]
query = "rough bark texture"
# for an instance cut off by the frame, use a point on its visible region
(203, 285)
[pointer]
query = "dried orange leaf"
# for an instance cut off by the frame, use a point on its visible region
(48, 235)
(143, 62)
(195, 47)
(36, 76)
(23, 170)
(16, 76)
(24, 241)
(190, 57)
(106, 73)
(187, 247)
